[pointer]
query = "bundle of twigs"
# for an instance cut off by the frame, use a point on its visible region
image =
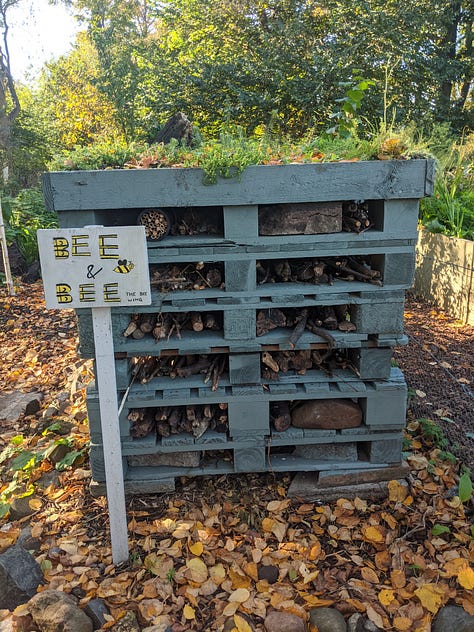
(210, 366)
(168, 420)
(318, 271)
(166, 324)
(317, 320)
(276, 362)
(355, 217)
(186, 276)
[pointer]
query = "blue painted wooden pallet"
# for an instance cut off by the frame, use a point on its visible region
(383, 402)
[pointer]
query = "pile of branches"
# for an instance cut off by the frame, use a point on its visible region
(186, 276)
(193, 222)
(318, 271)
(317, 320)
(166, 324)
(355, 217)
(277, 362)
(144, 369)
(171, 420)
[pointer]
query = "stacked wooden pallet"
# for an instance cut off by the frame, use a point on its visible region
(257, 327)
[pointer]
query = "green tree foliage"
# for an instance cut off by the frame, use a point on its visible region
(77, 109)
(245, 60)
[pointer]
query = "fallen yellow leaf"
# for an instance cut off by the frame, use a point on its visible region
(402, 623)
(189, 612)
(373, 534)
(240, 595)
(431, 597)
(386, 596)
(241, 624)
(396, 491)
(198, 570)
(466, 578)
(196, 548)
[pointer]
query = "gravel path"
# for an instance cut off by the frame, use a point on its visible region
(438, 363)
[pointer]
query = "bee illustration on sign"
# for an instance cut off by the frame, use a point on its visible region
(124, 266)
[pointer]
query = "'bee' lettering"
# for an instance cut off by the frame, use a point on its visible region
(105, 247)
(87, 293)
(63, 293)
(111, 293)
(61, 248)
(76, 245)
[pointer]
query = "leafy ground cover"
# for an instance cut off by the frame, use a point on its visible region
(197, 554)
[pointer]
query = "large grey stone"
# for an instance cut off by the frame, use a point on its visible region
(453, 618)
(327, 620)
(20, 507)
(20, 576)
(128, 623)
(14, 404)
(95, 609)
(56, 611)
(283, 622)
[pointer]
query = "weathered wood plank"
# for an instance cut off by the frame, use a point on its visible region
(261, 184)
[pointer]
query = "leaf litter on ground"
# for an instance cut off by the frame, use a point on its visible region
(197, 554)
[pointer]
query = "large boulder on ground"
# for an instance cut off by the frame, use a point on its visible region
(20, 576)
(56, 611)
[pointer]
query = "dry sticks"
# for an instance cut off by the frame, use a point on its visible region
(355, 217)
(211, 366)
(171, 420)
(318, 271)
(164, 325)
(317, 320)
(322, 270)
(187, 276)
(277, 362)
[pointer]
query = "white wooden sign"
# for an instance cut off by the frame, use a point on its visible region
(100, 267)
(94, 266)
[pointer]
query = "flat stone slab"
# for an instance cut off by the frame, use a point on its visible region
(356, 477)
(328, 452)
(305, 486)
(14, 404)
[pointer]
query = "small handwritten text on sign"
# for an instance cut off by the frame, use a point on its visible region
(94, 266)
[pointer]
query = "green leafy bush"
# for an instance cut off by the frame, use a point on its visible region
(24, 214)
(451, 209)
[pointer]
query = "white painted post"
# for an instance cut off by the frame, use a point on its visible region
(100, 267)
(6, 260)
(106, 382)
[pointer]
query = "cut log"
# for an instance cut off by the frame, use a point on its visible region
(143, 426)
(270, 362)
(131, 327)
(196, 321)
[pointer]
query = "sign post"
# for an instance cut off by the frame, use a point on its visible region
(100, 267)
